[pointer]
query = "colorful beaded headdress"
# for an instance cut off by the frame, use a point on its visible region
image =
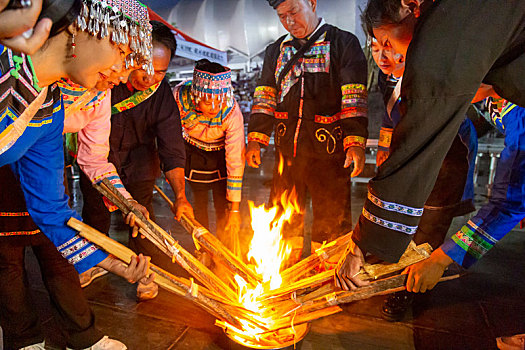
(209, 85)
(129, 20)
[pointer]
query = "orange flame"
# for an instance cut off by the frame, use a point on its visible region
(268, 253)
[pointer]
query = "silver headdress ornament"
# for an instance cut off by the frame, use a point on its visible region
(129, 20)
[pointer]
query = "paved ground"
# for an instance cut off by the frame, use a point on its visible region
(468, 313)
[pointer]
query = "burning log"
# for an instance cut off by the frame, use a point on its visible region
(165, 242)
(305, 266)
(180, 286)
(214, 246)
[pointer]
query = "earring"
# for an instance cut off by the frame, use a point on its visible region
(73, 46)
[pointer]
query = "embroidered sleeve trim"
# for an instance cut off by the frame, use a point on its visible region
(385, 137)
(264, 100)
(100, 177)
(234, 184)
(259, 137)
(354, 101)
(82, 255)
(62, 246)
(79, 245)
(473, 240)
(410, 230)
(354, 141)
(398, 208)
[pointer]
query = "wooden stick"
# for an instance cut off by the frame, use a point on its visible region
(215, 247)
(299, 285)
(167, 244)
(177, 285)
(302, 268)
(380, 287)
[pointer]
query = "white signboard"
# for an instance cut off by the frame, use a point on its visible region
(196, 52)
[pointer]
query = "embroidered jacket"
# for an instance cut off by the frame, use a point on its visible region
(320, 109)
(92, 122)
(37, 159)
(224, 131)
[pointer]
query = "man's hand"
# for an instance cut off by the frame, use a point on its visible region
(182, 206)
(381, 157)
(13, 23)
(137, 270)
(253, 154)
(348, 268)
(357, 156)
(425, 275)
(130, 218)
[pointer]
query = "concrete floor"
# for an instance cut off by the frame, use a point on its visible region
(467, 313)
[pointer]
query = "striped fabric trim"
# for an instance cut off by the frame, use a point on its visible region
(395, 207)
(354, 101)
(471, 239)
(104, 175)
(259, 137)
(410, 230)
(234, 184)
(354, 141)
(19, 233)
(115, 181)
(71, 241)
(264, 100)
(20, 213)
(82, 255)
(385, 137)
(76, 247)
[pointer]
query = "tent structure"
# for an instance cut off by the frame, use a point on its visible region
(190, 48)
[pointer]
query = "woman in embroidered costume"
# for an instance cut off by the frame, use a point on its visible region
(31, 156)
(213, 131)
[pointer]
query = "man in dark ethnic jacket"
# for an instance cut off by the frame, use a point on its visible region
(317, 106)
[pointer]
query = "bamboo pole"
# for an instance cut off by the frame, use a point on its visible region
(177, 285)
(215, 247)
(302, 268)
(380, 287)
(167, 244)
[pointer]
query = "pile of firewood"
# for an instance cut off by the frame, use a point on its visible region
(304, 295)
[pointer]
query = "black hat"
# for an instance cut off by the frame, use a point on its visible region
(275, 3)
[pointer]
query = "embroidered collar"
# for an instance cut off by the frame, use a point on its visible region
(72, 92)
(190, 116)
